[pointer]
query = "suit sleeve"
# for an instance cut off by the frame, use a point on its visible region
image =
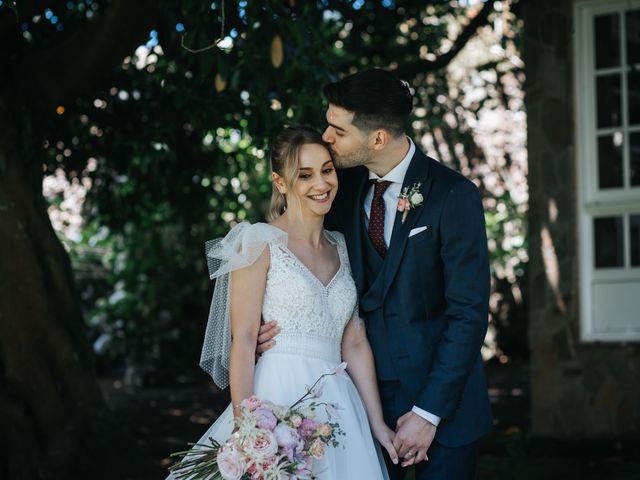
(465, 261)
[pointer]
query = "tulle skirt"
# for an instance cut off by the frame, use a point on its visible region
(281, 378)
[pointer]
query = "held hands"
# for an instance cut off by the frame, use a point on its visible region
(413, 438)
(413, 435)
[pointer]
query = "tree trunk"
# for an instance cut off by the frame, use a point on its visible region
(51, 407)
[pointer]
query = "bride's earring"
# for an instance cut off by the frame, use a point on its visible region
(284, 199)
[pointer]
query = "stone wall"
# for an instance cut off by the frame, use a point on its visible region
(577, 388)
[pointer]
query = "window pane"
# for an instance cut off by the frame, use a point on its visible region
(610, 173)
(608, 242)
(634, 223)
(634, 159)
(633, 89)
(633, 36)
(608, 95)
(607, 38)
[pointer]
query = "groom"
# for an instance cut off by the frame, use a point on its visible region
(422, 275)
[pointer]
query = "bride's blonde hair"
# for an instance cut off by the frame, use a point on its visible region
(284, 159)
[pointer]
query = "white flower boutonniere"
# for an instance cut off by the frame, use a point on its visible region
(409, 198)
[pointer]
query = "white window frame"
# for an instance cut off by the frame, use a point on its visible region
(592, 203)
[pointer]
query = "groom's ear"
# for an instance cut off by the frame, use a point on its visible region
(380, 138)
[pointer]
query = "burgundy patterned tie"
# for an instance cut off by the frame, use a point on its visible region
(376, 218)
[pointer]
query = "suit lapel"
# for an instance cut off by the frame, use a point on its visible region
(354, 234)
(418, 172)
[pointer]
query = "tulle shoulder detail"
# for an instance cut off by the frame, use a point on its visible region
(241, 247)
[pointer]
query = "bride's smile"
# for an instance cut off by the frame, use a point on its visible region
(317, 182)
(323, 197)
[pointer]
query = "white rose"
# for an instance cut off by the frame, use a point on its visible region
(416, 198)
(296, 420)
(230, 465)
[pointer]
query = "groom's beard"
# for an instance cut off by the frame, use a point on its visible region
(359, 156)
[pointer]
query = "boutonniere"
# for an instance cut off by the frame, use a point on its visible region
(409, 198)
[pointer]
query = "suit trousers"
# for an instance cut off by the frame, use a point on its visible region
(445, 463)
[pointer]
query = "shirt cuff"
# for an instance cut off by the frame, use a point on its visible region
(429, 417)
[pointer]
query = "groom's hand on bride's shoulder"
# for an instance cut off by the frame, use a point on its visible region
(266, 336)
(414, 436)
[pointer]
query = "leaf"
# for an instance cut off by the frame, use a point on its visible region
(220, 83)
(277, 54)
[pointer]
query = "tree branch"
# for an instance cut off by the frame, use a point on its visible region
(88, 58)
(409, 70)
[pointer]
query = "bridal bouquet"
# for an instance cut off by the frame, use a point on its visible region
(269, 441)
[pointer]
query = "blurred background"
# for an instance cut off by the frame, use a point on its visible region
(132, 132)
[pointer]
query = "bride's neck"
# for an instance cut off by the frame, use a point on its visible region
(303, 229)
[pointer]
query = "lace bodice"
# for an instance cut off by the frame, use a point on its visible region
(311, 316)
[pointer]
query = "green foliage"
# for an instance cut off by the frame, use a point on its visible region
(176, 145)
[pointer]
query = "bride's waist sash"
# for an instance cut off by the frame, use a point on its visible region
(308, 346)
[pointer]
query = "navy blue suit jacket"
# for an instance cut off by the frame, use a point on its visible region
(432, 296)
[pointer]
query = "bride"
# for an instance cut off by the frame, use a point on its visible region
(293, 271)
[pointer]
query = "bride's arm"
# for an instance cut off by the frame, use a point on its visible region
(356, 351)
(247, 292)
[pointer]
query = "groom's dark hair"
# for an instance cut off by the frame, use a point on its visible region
(378, 98)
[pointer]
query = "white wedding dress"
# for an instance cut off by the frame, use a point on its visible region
(312, 317)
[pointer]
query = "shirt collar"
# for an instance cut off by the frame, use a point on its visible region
(397, 174)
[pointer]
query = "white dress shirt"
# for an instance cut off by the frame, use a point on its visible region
(390, 197)
(391, 194)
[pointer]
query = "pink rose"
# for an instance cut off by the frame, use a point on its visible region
(230, 464)
(307, 427)
(316, 450)
(251, 403)
(324, 430)
(264, 444)
(265, 418)
(403, 204)
(252, 470)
